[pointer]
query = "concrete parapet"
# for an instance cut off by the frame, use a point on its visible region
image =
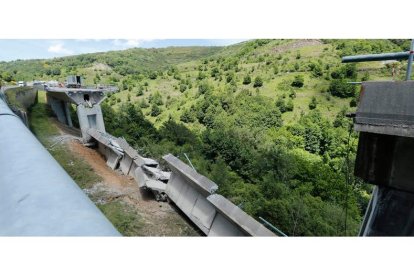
(204, 185)
(42, 200)
(105, 147)
(188, 190)
(235, 216)
(194, 194)
(140, 177)
(127, 164)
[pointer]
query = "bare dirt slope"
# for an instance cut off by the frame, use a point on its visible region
(157, 218)
(133, 211)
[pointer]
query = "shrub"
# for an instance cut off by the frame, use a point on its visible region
(155, 110)
(258, 82)
(341, 89)
(188, 116)
(353, 102)
(296, 66)
(313, 103)
(247, 80)
(140, 92)
(183, 87)
(143, 104)
(203, 88)
(280, 103)
(153, 75)
(289, 105)
(298, 81)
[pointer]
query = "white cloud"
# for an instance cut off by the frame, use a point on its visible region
(128, 43)
(59, 48)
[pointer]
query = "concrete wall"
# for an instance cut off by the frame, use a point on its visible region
(127, 164)
(59, 108)
(112, 156)
(195, 195)
(233, 220)
(20, 99)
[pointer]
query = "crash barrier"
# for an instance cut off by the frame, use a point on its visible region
(38, 198)
(192, 192)
(119, 154)
(215, 215)
(108, 147)
(19, 99)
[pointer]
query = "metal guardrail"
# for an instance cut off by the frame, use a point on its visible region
(38, 198)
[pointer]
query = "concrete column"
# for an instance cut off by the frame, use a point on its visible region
(67, 110)
(90, 118)
(58, 107)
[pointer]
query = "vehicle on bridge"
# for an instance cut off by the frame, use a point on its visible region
(21, 83)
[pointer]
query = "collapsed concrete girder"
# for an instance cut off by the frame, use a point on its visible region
(195, 195)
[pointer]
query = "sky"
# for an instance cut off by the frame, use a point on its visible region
(12, 49)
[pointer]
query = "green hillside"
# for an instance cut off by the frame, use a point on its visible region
(264, 119)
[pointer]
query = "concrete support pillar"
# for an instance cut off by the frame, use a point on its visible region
(58, 107)
(67, 111)
(90, 117)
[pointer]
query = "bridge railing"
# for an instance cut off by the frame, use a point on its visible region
(38, 198)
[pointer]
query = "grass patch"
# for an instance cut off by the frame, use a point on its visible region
(125, 219)
(42, 126)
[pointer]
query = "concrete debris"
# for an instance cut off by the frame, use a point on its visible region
(150, 162)
(156, 173)
(148, 178)
(115, 145)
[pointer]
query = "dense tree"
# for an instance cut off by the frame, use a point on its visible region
(341, 89)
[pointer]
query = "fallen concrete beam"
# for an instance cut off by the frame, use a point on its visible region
(236, 222)
(204, 185)
(188, 190)
(105, 147)
(127, 162)
(140, 177)
(194, 194)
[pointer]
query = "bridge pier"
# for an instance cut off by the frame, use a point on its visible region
(90, 117)
(87, 103)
